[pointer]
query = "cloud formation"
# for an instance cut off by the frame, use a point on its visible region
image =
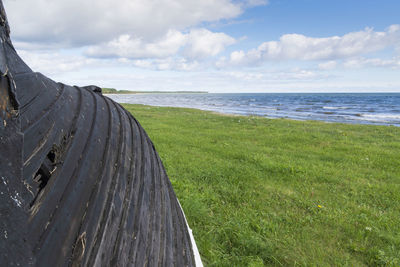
(52, 63)
(196, 44)
(361, 62)
(327, 65)
(300, 47)
(97, 41)
(71, 23)
(177, 64)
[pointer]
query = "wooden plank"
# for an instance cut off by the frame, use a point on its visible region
(81, 183)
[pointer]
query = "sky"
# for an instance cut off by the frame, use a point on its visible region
(221, 46)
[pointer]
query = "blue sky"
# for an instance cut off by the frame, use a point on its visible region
(315, 18)
(212, 45)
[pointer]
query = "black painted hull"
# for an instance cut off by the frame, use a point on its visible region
(81, 183)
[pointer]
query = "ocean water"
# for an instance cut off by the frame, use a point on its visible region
(363, 108)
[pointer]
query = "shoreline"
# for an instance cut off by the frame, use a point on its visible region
(227, 114)
(377, 109)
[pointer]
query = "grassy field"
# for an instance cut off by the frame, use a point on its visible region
(278, 192)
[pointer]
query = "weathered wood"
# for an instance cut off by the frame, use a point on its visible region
(81, 183)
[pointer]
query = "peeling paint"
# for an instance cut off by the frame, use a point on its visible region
(17, 199)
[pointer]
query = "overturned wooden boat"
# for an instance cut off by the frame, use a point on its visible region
(80, 181)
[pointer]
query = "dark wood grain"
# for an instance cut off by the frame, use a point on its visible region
(81, 183)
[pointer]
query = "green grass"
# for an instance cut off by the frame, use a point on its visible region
(278, 192)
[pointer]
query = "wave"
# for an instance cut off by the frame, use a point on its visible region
(327, 107)
(364, 110)
(382, 116)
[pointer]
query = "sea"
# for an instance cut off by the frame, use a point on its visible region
(359, 108)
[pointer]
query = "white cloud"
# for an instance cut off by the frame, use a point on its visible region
(295, 74)
(88, 22)
(179, 64)
(202, 43)
(197, 44)
(54, 63)
(235, 81)
(327, 65)
(300, 47)
(253, 3)
(134, 47)
(361, 62)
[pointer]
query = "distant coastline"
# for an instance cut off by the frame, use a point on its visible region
(115, 91)
(382, 108)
